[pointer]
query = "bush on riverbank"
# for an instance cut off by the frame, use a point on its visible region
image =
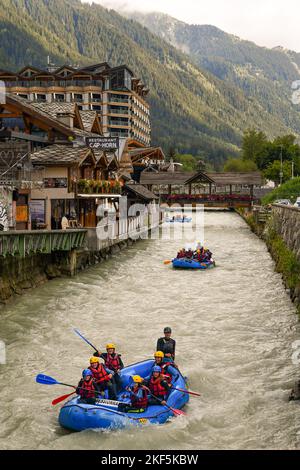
(286, 261)
(289, 190)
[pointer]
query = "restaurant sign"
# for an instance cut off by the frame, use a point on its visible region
(103, 143)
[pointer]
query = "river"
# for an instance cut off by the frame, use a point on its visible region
(234, 326)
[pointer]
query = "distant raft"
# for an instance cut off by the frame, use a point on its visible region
(186, 263)
(77, 416)
(180, 220)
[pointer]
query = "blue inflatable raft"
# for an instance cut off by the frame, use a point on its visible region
(180, 220)
(78, 416)
(185, 263)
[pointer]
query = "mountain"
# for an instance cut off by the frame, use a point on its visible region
(192, 109)
(265, 75)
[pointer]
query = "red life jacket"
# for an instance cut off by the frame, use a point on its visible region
(166, 374)
(139, 402)
(99, 374)
(113, 362)
(89, 389)
(156, 388)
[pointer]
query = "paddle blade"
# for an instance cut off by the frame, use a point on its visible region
(167, 262)
(62, 398)
(178, 412)
(195, 394)
(45, 380)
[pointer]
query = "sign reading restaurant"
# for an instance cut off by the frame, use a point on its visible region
(103, 143)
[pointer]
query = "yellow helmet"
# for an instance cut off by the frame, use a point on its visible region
(159, 354)
(94, 359)
(110, 346)
(137, 379)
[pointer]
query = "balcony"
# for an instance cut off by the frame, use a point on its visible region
(117, 99)
(124, 111)
(49, 84)
(85, 186)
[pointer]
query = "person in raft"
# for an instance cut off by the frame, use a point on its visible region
(158, 386)
(102, 378)
(113, 362)
(162, 363)
(167, 344)
(86, 388)
(138, 397)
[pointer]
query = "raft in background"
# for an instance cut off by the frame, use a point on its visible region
(185, 263)
(181, 220)
(78, 416)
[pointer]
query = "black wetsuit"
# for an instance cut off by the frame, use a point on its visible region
(166, 346)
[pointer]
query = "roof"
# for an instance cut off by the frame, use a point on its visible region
(88, 119)
(165, 177)
(150, 153)
(218, 179)
(250, 178)
(37, 113)
(61, 155)
(141, 191)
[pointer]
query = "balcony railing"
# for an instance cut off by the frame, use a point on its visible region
(116, 99)
(119, 111)
(49, 84)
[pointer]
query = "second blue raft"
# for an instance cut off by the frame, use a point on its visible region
(185, 263)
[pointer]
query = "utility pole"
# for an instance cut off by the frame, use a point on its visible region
(281, 166)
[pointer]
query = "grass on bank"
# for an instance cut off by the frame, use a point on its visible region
(289, 190)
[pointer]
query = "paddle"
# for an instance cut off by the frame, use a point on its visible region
(84, 339)
(46, 380)
(167, 262)
(187, 391)
(62, 398)
(175, 411)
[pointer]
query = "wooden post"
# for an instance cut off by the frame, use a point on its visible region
(190, 189)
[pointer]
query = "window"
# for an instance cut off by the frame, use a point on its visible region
(120, 79)
(41, 98)
(78, 98)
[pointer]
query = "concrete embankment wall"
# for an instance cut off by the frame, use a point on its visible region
(281, 232)
(17, 274)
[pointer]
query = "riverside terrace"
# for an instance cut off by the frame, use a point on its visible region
(230, 190)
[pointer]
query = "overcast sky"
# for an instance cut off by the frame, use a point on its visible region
(269, 23)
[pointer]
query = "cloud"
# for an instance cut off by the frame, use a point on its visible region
(268, 23)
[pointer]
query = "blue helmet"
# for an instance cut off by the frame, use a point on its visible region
(87, 372)
(156, 369)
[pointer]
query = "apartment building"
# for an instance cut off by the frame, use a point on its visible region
(119, 98)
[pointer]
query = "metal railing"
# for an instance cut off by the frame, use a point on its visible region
(25, 243)
(49, 84)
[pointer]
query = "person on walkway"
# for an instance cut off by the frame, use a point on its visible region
(138, 397)
(113, 362)
(103, 378)
(166, 344)
(158, 386)
(86, 388)
(65, 223)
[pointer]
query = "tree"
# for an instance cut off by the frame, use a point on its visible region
(253, 144)
(171, 154)
(188, 161)
(272, 172)
(239, 165)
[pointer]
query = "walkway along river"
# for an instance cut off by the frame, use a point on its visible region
(234, 326)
